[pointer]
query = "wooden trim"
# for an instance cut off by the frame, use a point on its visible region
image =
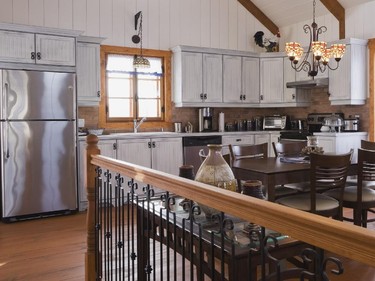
(341, 238)
(260, 16)
(338, 11)
(371, 100)
(128, 126)
(91, 150)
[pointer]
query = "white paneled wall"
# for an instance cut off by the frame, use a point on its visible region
(167, 23)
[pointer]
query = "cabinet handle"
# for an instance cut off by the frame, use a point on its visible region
(153, 144)
(261, 97)
(98, 93)
(293, 96)
(114, 146)
(238, 139)
(149, 144)
(240, 97)
(201, 95)
(38, 56)
(33, 55)
(244, 97)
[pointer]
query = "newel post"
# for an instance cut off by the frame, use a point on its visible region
(92, 149)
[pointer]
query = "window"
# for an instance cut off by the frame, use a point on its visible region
(130, 93)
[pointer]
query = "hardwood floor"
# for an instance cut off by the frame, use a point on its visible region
(53, 249)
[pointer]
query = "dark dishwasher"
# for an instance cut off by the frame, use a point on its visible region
(192, 145)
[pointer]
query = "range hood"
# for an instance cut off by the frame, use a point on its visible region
(309, 84)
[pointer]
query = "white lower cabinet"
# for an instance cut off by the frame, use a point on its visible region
(236, 140)
(339, 143)
(163, 154)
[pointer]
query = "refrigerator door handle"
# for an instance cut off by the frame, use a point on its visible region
(6, 140)
(5, 101)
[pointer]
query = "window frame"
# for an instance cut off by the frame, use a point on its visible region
(114, 124)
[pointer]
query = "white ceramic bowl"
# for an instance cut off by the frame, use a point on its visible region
(97, 132)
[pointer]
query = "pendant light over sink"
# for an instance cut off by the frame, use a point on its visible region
(139, 61)
(321, 54)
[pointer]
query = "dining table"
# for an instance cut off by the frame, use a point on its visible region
(274, 171)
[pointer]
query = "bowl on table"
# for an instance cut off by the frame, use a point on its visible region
(97, 132)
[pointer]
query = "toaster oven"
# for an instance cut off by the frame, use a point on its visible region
(275, 122)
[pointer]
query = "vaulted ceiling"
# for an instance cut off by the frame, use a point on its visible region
(278, 13)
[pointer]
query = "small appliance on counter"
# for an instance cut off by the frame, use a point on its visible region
(205, 119)
(351, 124)
(275, 122)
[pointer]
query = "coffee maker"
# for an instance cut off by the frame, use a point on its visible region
(205, 119)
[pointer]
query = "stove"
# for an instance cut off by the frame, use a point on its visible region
(314, 124)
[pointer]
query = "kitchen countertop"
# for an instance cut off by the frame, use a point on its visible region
(173, 134)
(341, 134)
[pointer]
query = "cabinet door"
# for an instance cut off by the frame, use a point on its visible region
(232, 68)
(88, 74)
(213, 77)
(271, 80)
(289, 76)
(192, 77)
(250, 79)
(136, 151)
(167, 154)
(262, 138)
(55, 50)
(17, 47)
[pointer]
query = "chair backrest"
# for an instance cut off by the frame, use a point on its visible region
(327, 172)
(366, 165)
(288, 148)
(238, 152)
(369, 145)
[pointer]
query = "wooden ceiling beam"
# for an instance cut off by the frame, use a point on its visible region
(260, 16)
(338, 11)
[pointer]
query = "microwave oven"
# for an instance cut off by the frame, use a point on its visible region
(275, 122)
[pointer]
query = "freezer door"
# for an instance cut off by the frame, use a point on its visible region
(38, 167)
(34, 95)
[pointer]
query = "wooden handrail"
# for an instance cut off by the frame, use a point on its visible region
(341, 238)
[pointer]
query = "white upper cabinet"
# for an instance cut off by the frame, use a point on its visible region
(240, 79)
(348, 83)
(232, 79)
(17, 47)
(293, 96)
(37, 45)
(250, 80)
(88, 71)
(55, 50)
(271, 80)
(197, 78)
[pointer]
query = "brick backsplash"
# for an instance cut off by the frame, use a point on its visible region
(319, 103)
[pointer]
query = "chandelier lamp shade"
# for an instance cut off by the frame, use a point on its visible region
(139, 61)
(318, 55)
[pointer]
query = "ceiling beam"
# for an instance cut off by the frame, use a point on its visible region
(338, 11)
(260, 16)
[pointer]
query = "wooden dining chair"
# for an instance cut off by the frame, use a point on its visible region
(326, 172)
(361, 197)
(291, 149)
(239, 152)
(288, 148)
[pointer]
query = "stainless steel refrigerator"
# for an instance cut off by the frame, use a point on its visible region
(38, 144)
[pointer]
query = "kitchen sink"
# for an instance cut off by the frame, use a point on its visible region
(141, 134)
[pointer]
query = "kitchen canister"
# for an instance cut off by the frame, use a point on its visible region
(177, 127)
(214, 170)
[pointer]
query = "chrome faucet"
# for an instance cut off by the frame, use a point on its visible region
(136, 126)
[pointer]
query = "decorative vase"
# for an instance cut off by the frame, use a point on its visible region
(215, 171)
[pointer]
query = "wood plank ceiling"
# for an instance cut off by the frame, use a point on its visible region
(276, 13)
